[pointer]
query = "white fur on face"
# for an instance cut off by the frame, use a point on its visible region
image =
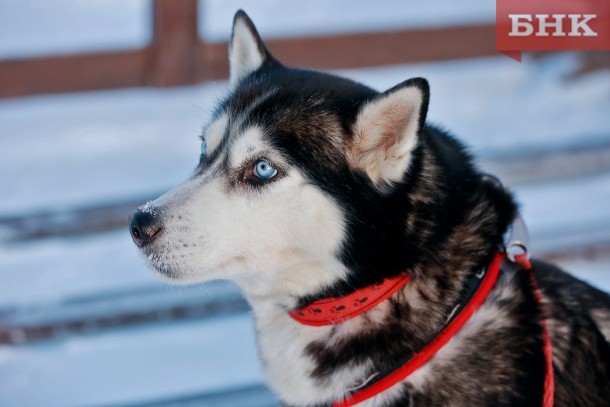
(215, 131)
(280, 240)
(386, 134)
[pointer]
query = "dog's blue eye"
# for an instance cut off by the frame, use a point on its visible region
(264, 170)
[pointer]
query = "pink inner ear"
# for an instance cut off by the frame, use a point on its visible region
(384, 135)
(383, 131)
(392, 124)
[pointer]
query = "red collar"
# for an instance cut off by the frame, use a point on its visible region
(331, 311)
(335, 310)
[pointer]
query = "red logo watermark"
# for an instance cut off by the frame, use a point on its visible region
(551, 25)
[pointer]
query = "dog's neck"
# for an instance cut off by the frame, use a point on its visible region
(316, 365)
(308, 365)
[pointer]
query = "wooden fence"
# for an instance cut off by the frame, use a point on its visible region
(177, 56)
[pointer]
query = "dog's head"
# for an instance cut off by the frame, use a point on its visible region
(294, 190)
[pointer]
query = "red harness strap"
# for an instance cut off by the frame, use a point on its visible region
(419, 359)
(549, 376)
(336, 310)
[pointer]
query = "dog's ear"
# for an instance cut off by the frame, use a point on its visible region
(247, 52)
(387, 129)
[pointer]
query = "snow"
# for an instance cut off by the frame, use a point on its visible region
(33, 28)
(593, 271)
(131, 365)
(39, 272)
(566, 213)
(55, 150)
(499, 107)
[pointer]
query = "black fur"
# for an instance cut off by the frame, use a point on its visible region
(442, 223)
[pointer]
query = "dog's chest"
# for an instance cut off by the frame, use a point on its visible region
(301, 377)
(295, 372)
(289, 368)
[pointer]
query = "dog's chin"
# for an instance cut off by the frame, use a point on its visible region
(176, 277)
(169, 273)
(181, 274)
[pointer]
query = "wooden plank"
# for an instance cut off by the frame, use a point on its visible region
(71, 73)
(365, 49)
(175, 43)
(178, 57)
(101, 311)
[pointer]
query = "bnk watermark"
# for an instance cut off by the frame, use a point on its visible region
(551, 25)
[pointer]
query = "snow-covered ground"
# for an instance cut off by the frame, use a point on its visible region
(82, 148)
(565, 213)
(50, 270)
(131, 365)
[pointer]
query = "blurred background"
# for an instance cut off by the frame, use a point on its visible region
(101, 103)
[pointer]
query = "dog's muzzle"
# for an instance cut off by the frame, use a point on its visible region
(144, 227)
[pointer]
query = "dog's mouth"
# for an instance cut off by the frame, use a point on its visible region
(173, 263)
(158, 263)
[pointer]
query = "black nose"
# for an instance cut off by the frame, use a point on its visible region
(144, 227)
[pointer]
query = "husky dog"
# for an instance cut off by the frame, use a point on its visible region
(311, 186)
